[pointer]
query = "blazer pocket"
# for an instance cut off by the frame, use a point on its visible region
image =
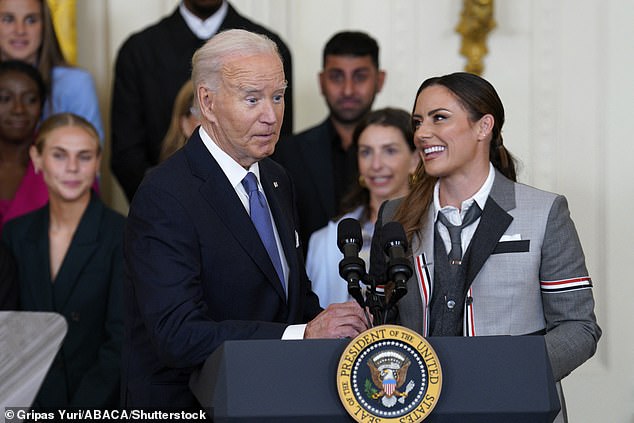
(520, 246)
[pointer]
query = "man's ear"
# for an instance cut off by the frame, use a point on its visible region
(380, 81)
(206, 103)
(485, 127)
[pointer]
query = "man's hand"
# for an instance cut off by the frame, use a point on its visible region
(337, 321)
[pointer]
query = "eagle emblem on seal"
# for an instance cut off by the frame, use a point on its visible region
(389, 373)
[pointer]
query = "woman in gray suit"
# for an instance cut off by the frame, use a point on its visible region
(70, 261)
(490, 256)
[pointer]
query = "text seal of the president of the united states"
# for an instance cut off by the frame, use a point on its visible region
(390, 374)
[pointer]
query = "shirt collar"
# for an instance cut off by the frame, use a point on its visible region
(232, 169)
(479, 197)
(204, 29)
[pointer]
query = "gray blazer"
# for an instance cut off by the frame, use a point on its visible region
(527, 273)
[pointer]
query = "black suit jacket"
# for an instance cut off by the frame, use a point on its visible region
(8, 280)
(151, 67)
(198, 274)
(308, 158)
(88, 292)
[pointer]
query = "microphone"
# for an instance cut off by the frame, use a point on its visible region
(399, 269)
(351, 267)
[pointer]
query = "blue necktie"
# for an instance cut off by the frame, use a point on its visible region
(262, 220)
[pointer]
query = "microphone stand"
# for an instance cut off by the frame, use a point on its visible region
(380, 306)
(373, 300)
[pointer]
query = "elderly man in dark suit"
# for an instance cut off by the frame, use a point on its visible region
(151, 67)
(211, 244)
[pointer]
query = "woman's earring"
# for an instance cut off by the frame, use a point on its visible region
(412, 178)
(362, 181)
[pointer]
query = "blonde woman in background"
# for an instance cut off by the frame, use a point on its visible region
(184, 121)
(69, 257)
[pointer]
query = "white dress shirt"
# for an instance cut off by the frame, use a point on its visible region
(204, 29)
(455, 216)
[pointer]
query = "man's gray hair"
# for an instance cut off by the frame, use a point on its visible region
(208, 60)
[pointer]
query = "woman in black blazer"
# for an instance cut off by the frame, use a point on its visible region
(70, 261)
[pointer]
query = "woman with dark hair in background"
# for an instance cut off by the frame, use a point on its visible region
(387, 159)
(22, 94)
(490, 256)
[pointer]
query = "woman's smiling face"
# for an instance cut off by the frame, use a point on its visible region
(385, 161)
(447, 140)
(20, 30)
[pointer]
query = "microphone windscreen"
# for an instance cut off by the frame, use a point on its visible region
(393, 233)
(349, 230)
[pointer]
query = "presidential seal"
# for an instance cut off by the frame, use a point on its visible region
(389, 374)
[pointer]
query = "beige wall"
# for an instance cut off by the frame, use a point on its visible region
(562, 68)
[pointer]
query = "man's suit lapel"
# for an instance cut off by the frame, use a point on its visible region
(493, 223)
(81, 250)
(223, 200)
(321, 170)
(275, 190)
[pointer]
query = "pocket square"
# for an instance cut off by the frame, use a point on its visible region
(517, 246)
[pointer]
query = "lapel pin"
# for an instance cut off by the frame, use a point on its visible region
(275, 184)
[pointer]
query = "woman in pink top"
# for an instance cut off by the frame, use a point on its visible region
(22, 94)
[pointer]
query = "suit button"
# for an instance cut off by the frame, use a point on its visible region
(451, 304)
(74, 316)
